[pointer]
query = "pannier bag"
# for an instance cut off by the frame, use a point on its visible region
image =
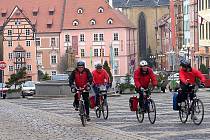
(92, 102)
(133, 103)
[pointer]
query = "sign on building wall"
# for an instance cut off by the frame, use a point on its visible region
(75, 44)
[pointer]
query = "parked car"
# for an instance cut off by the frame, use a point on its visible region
(3, 90)
(60, 77)
(28, 88)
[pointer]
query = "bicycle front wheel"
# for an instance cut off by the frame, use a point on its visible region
(139, 114)
(183, 112)
(105, 110)
(197, 111)
(151, 111)
(98, 112)
(82, 113)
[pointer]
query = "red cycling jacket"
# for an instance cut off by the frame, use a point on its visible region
(100, 78)
(80, 78)
(190, 76)
(143, 80)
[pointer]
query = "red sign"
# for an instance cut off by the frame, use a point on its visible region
(2, 65)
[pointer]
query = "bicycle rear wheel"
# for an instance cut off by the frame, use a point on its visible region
(82, 113)
(183, 112)
(151, 111)
(139, 114)
(197, 111)
(105, 110)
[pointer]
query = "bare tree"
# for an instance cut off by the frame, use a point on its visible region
(63, 65)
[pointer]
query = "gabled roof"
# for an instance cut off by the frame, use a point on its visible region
(139, 3)
(90, 11)
(18, 13)
(42, 7)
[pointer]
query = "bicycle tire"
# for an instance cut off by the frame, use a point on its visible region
(184, 111)
(105, 110)
(139, 115)
(151, 109)
(82, 113)
(98, 112)
(197, 109)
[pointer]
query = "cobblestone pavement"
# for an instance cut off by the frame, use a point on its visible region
(56, 119)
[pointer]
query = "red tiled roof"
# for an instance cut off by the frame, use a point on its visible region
(90, 11)
(42, 7)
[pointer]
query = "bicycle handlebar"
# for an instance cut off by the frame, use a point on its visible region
(74, 89)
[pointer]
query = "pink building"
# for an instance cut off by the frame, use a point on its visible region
(19, 49)
(99, 30)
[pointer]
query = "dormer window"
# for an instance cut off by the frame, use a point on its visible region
(3, 13)
(92, 21)
(75, 22)
(110, 21)
(49, 23)
(100, 9)
(80, 11)
(51, 11)
(35, 11)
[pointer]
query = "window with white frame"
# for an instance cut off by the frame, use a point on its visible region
(110, 21)
(116, 36)
(9, 43)
(95, 37)
(67, 38)
(80, 11)
(9, 32)
(53, 59)
(75, 22)
(92, 21)
(28, 55)
(11, 68)
(101, 52)
(116, 51)
(52, 41)
(27, 31)
(10, 55)
(17, 66)
(53, 72)
(100, 9)
(39, 58)
(82, 52)
(96, 52)
(38, 42)
(28, 43)
(29, 67)
(101, 37)
(82, 37)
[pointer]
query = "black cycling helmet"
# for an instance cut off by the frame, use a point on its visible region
(80, 63)
(185, 63)
(98, 66)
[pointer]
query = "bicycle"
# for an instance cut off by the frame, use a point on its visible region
(82, 111)
(193, 107)
(103, 105)
(148, 107)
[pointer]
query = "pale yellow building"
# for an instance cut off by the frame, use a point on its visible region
(203, 54)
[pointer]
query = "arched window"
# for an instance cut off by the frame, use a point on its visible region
(80, 11)
(92, 21)
(100, 9)
(110, 21)
(75, 22)
(142, 36)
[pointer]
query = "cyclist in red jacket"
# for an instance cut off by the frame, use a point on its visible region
(187, 76)
(100, 77)
(81, 76)
(143, 75)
